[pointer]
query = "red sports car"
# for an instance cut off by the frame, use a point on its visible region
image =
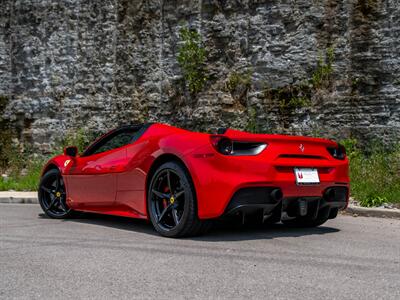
(182, 180)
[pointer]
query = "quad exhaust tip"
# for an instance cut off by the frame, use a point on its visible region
(277, 195)
(330, 195)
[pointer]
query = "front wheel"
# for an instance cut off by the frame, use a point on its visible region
(172, 202)
(52, 195)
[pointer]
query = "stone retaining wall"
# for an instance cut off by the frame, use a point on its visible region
(67, 64)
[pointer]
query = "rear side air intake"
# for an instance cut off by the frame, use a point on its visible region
(227, 146)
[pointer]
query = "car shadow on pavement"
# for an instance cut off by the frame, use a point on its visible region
(220, 231)
(121, 223)
(236, 232)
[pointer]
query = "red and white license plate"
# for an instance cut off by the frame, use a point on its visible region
(306, 175)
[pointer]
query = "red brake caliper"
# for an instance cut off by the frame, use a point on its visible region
(165, 201)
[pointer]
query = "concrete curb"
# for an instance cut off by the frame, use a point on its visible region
(372, 212)
(18, 197)
(31, 198)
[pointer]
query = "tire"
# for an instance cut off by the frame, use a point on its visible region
(52, 195)
(322, 217)
(171, 202)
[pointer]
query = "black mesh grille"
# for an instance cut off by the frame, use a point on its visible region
(340, 194)
(252, 196)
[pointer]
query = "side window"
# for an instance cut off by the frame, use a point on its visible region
(119, 140)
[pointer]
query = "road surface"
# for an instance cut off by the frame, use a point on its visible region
(107, 257)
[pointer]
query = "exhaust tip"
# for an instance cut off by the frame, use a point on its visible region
(330, 195)
(277, 195)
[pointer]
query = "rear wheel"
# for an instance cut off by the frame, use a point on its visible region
(52, 195)
(172, 202)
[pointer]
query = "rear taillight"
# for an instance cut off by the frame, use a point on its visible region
(338, 152)
(226, 146)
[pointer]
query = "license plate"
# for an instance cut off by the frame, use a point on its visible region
(306, 176)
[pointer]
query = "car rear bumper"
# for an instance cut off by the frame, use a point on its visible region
(267, 200)
(219, 181)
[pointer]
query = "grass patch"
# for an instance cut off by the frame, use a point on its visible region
(374, 174)
(27, 181)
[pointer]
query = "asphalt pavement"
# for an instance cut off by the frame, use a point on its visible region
(102, 257)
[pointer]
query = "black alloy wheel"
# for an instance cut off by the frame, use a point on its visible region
(172, 203)
(168, 197)
(52, 195)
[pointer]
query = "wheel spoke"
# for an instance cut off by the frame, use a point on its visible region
(179, 194)
(63, 207)
(164, 213)
(160, 195)
(47, 190)
(57, 183)
(51, 204)
(169, 181)
(175, 216)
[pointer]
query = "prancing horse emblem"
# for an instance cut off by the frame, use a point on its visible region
(301, 147)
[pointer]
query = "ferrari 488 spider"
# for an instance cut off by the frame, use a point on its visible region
(182, 180)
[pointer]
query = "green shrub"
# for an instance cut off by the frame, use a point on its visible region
(6, 135)
(80, 138)
(298, 95)
(290, 97)
(252, 125)
(24, 169)
(191, 59)
(238, 81)
(322, 73)
(293, 103)
(6, 147)
(23, 182)
(374, 174)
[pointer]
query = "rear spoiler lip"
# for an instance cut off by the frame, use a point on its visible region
(256, 137)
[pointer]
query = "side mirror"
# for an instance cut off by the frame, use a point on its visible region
(71, 151)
